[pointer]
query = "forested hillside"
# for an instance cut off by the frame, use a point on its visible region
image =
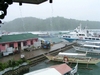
(49, 24)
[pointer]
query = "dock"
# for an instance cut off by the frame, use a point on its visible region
(34, 53)
(36, 56)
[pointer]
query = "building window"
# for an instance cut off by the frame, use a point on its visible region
(24, 43)
(36, 40)
(97, 38)
(11, 45)
(3, 44)
(31, 42)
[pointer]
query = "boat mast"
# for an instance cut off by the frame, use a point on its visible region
(80, 27)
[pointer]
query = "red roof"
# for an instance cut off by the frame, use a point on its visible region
(63, 68)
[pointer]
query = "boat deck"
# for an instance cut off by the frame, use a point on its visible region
(81, 60)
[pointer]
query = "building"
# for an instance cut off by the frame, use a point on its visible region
(17, 41)
(61, 69)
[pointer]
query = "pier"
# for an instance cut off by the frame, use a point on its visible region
(36, 56)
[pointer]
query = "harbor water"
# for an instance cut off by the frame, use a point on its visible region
(83, 69)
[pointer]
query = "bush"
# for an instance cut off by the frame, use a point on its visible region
(3, 66)
(11, 63)
(20, 61)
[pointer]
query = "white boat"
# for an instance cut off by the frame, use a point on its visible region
(89, 46)
(71, 54)
(62, 69)
(80, 34)
(80, 60)
(73, 58)
(75, 69)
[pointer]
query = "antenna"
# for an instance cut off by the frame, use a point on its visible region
(51, 23)
(22, 18)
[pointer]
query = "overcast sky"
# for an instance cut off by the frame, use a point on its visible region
(74, 9)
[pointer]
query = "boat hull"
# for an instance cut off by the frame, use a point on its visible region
(71, 39)
(79, 49)
(74, 60)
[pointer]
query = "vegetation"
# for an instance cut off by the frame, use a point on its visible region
(11, 63)
(49, 24)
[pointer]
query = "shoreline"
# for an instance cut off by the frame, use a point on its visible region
(37, 59)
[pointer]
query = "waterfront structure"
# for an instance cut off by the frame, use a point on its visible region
(17, 41)
(62, 69)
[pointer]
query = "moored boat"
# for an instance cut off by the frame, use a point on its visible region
(80, 60)
(80, 34)
(88, 50)
(89, 47)
(71, 54)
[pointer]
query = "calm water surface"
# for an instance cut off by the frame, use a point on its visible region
(92, 69)
(82, 70)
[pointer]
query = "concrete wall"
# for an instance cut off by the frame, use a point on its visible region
(3, 47)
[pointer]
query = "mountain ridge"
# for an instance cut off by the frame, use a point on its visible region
(48, 24)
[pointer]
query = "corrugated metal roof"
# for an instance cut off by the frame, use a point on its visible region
(54, 70)
(63, 68)
(17, 37)
(47, 71)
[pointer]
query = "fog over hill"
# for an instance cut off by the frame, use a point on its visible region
(49, 24)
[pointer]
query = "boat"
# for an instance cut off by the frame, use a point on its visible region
(71, 54)
(44, 34)
(80, 60)
(89, 47)
(74, 70)
(80, 34)
(61, 69)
